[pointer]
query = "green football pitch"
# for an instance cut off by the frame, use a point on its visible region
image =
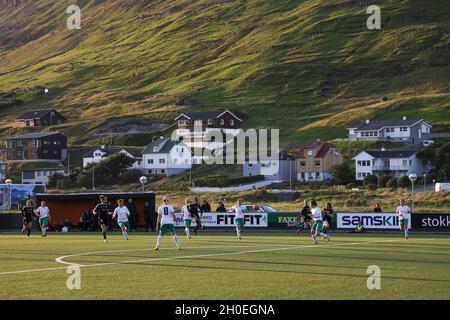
(214, 265)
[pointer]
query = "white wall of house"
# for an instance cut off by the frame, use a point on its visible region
(178, 160)
(40, 176)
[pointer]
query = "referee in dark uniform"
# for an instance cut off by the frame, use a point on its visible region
(103, 211)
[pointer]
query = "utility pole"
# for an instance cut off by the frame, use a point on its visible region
(93, 176)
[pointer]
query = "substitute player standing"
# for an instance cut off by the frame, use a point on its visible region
(239, 218)
(103, 211)
(166, 219)
(43, 213)
(122, 214)
(187, 219)
(401, 212)
(317, 226)
(27, 213)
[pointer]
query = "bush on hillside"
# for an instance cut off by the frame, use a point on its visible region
(403, 182)
(391, 184)
(382, 180)
(371, 179)
(371, 186)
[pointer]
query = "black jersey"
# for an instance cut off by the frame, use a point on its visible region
(327, 214)
(103, 210)
(194, 210)
(28, 213)
(306, 213)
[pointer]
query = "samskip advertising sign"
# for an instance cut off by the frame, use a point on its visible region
(223, 220)
(369, 220)
(431, 221)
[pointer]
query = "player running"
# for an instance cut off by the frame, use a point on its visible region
(28, 214)
(122, 214)
(166, 218)
(103, 211)
(401, 212)
(239, 218)
(303, 220)
(195, 209)
(187, 219)
(43, 212)
(317, 226)
(327, 215)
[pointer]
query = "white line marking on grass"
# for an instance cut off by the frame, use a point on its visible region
(289, 247)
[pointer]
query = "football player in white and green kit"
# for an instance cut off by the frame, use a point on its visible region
(239, 218)
(317, 226)
(187, 219)
(122, 214)
(166, 219)
(43, 212)
(401, 212)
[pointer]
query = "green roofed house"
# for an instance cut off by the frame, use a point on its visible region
(166, 157)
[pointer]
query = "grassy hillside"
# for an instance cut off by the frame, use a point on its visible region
(308, 67)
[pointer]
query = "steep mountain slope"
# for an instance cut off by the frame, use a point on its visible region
(307, 67)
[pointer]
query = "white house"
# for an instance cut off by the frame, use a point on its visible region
(166, 157)
(97, 155)
(414, 131)
(40, 175)
(391, 163)
(281, 168)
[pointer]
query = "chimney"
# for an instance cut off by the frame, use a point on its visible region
(404, 118)
(367, 121)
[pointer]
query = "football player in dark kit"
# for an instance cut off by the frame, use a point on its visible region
(103, 212)
(28, 214)
(327, 214)
(194, 208)
(304, 218)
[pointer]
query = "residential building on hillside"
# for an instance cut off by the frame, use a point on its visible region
(413, 131)
(390, 163)
(99, 154)
(41, 175)
(280, 170)
(39, 118)
(314, 162)
(166, 157)
(196, 128)
(48, 146)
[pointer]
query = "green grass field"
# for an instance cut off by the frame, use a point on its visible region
(264, 265)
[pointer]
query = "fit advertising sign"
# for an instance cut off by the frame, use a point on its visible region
(225, 220)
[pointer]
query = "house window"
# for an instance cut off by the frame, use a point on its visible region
(150, 171)
(403, 129)
(231, 122)
(302, 175)
(198, 122)
(150, 161)
(317, 175)
(302, 164)
(310, 153)
(210, 122)
(375, 133)
(410, 163)
(405, 163)
(222, 122)
(162, 160)
(317, 163)
(163, 171)
(183, 122)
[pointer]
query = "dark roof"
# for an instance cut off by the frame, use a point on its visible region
(35, 114)
(167, 146)
(391, 154)
(323, 150)
(378, 124)
(205, 115)
(107, 151)
(34, 135)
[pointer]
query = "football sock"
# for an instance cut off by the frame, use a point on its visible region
(125, 234)
(28, 232)
(158, 241)
(104, 234)
(238, 232)
(188, 233)
(177, 242)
